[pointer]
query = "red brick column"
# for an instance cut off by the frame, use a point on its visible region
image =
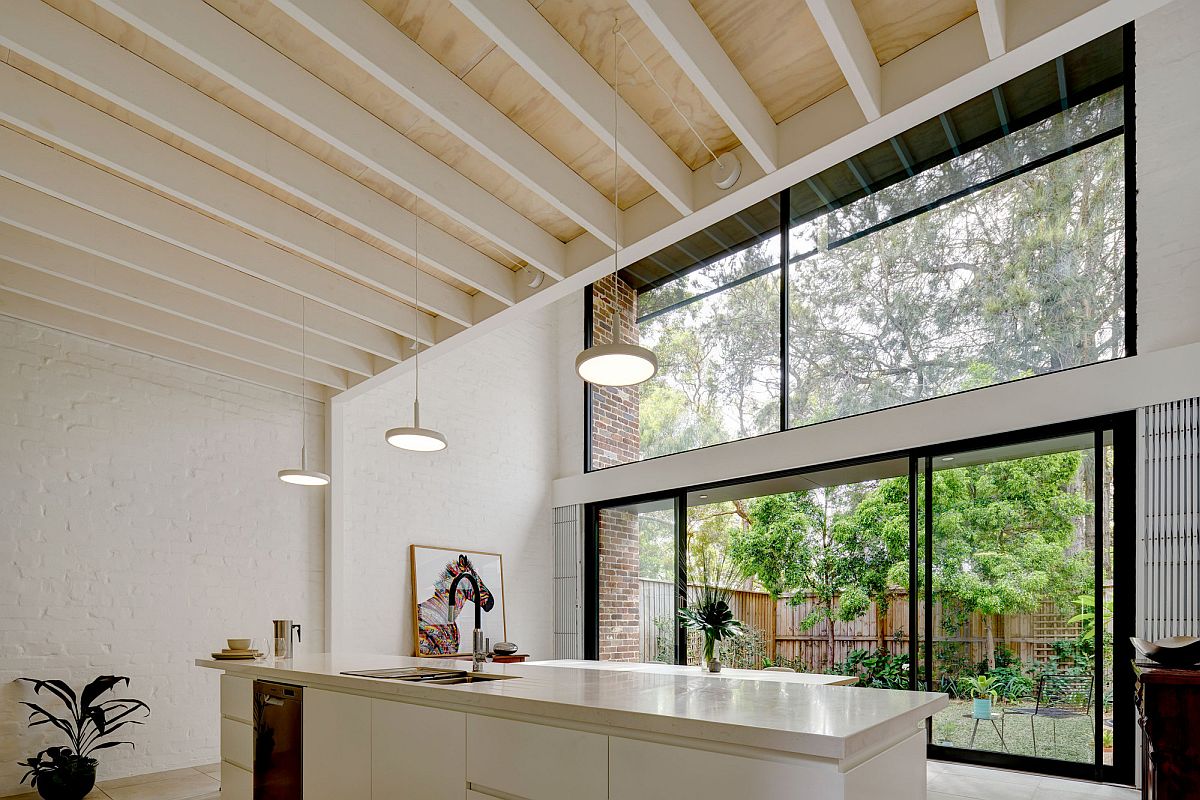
(615, 435)
(616, 440)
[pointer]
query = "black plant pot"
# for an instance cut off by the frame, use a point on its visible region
(66, 785)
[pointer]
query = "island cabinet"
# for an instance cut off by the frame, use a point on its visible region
(507, 758)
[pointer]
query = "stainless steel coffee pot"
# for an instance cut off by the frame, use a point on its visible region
(284, 645)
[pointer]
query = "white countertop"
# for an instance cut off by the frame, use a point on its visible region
(794, 712)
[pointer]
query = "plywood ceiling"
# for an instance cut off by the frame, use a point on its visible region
(774, 46)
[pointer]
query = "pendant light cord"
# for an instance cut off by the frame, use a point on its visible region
(303, 384)
(616, 334)
(670, 99)
(416, 320)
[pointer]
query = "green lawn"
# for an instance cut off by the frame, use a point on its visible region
(952, 727)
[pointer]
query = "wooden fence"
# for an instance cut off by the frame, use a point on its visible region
(1029, 636)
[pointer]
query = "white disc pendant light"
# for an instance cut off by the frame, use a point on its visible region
(617, 363)
(303, 476)
(414, 437)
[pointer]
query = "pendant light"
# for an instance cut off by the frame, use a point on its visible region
(303, 476)
(414, 437)
(617, 363)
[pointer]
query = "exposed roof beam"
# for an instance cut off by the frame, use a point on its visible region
(64, 46)
(220, 46)
(57, 219)
(38, 166)
(52, 316)
(843, 31)
(399, 63)
(33, 106)
(694, 48)
(992, 17)
(45, 255)
(86, 300)
(537, 47)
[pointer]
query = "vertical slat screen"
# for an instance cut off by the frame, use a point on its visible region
(1172, 524)
(568, 569)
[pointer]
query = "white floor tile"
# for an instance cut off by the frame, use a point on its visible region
(981, 788)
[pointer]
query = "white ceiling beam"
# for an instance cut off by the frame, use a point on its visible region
(45, 255)
(50, 217)
(68, 48)
(693, 47)
(537, 47)
(33, 106)
(223, 48)
(40, 312)
(992, 17)
(86, 300)
(844, 33)
(361, 35)
(40, 167)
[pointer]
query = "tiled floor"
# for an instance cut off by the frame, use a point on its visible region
(961, 782)
(199, 783)
(946, 782)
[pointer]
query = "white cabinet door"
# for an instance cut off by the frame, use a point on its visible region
(236, 783)
(537, 762)
(237, 743)
(651, 771)
(237, 698)
(337, 745)
(417, 752)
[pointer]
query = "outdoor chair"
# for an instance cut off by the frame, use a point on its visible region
(1058, 697)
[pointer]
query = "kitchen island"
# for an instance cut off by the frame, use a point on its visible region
(548, 730)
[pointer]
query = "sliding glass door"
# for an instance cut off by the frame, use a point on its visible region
(996, 570)
(1022, 574)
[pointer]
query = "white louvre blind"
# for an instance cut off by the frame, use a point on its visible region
(1172, 524)
(568, 570)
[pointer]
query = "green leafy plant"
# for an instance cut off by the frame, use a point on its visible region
(877, 670)
(1011, 683)
(979, 687)
(713, 618)
(88, 723)
(1087, 616)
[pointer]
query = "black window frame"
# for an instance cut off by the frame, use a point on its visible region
(1123, 428)
(784, 264)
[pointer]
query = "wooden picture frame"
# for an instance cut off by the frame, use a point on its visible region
(431, 570)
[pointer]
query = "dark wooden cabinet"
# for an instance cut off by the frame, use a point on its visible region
(1169, 712)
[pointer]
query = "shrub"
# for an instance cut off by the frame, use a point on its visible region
(878, 670)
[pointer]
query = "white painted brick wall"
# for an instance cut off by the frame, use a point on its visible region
(141, 523)
(496, 401)
(1168, 176)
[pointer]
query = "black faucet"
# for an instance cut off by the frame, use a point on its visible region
(478, 653)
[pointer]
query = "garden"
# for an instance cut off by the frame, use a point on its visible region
(818, 580)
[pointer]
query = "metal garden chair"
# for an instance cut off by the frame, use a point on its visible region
(1058, 697)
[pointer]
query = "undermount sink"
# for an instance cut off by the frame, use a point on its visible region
(440, 677)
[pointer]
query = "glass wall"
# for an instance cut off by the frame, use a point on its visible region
(984, 570)
(983, 246)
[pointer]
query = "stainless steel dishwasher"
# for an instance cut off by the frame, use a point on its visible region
(278, 741)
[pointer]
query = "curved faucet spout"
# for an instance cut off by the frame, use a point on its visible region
(477, 646)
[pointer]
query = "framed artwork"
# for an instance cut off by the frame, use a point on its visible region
(442, 624)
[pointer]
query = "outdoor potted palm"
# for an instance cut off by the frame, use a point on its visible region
(710, 613)
(69, 773)
(982, 690)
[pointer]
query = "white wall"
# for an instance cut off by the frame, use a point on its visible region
(496, 401)
(1168, 271)
(141, 524)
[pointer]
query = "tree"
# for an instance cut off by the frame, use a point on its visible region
(793, 545)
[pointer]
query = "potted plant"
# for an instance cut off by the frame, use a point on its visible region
(69, 773)
(710, 613)
(982, 690)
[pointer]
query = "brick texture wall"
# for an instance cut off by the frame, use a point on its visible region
(615, 435)
(615, 440)
(141, 524)
(495, 399)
